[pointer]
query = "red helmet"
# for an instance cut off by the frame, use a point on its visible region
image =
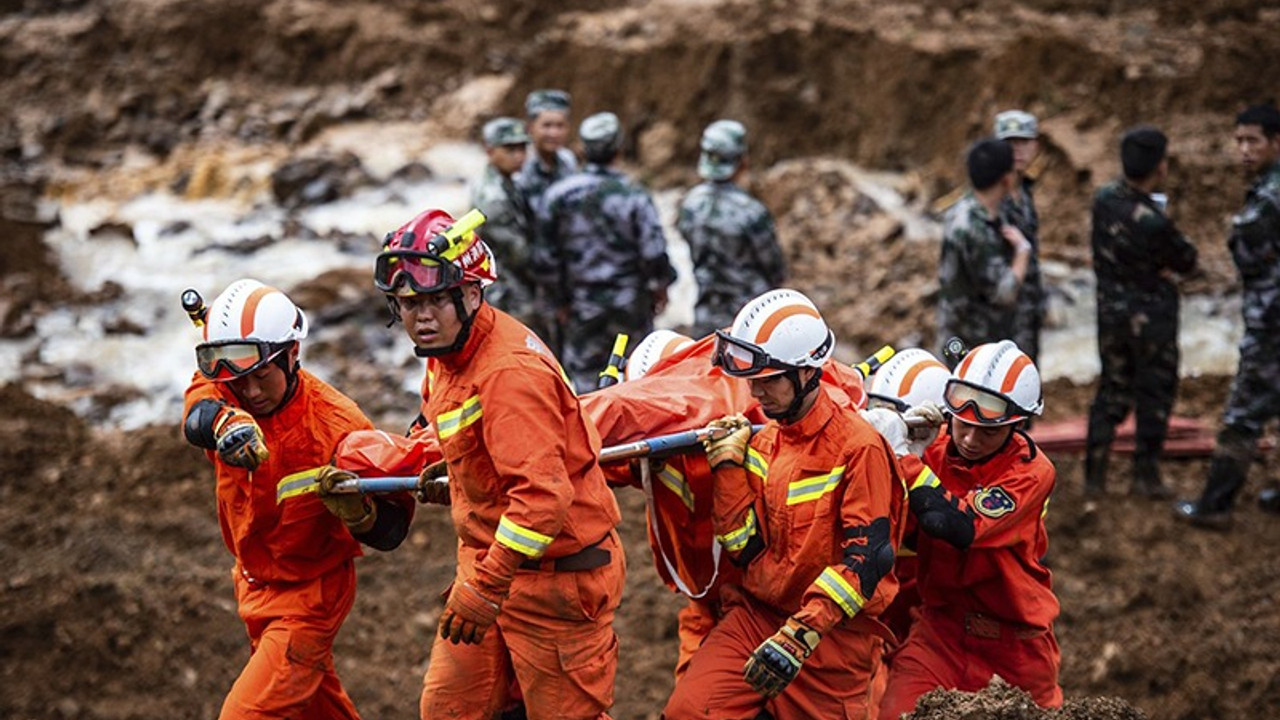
(433, 252)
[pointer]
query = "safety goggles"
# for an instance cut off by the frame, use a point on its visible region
(988, 407)
(423, 272)
(230, 359)
(875, 400)
(740, 358)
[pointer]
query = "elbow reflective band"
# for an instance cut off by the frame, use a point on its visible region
(812, 488)
(673, 479)
(872, 561)
(737, 539)
(839, 589)
(756, 464)
(448, 424)
(522, 540)
(926, 478)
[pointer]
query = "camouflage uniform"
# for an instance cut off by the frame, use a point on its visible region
(509, 232)
(1020, 209)
(978, 291)
(735, 251)
(1134, 246)
(598, 231)
(1255, 393)
(535, 177)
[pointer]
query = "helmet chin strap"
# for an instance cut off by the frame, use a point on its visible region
(463, 333)
(791, 414)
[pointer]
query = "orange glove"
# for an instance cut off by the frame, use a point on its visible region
(732, 448)
(239, 439)
(468, 615)
(777, 661)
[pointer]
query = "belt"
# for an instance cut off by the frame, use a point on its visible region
(588, 558)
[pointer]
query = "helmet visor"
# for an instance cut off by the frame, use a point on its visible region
(422, 272)
(980, 405)
(230, 359)
(740, 358)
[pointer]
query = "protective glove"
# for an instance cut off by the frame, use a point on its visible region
(468, 614)
(924, 431)
(891, 426)
(777, 661)
(732, 448)
(433, 484)
(238, 439)
(354, 509)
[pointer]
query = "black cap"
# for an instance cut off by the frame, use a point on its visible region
(989, 160)
(1141, 151)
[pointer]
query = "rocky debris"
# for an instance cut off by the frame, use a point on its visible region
(300, 182)
(1001, 701)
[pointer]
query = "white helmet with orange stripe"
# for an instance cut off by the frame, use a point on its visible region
(657, 345)
(995, 384)
(908, 379)
(247, 326)
(778, 331)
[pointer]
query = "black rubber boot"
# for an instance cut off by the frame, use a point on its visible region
(1146, 479)
(1095, 470)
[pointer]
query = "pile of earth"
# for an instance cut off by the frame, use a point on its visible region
(117, 600)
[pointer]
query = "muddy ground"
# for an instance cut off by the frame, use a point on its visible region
(116, 601)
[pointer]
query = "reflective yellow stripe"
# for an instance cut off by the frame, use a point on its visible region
(674, 480)
(299, 483)
(522, 540)
(839, 589)
(756, 464)
(737, 539)
(812, 488)
(926, 478)
(1045, 510)
(448, 424)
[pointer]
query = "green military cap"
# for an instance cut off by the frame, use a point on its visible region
(1016, 124)
(504, 131)
(724, 142)
(601, 131)
(540, 101)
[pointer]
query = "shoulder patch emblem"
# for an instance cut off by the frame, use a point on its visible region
(993, 502)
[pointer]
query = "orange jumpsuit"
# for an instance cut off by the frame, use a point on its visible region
(294, 576)
(816, 514)
(988, 609)
(531, 509)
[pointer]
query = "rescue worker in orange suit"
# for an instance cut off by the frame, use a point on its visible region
(268, 426)
(980, 497)
(540, 567)
(811, 507)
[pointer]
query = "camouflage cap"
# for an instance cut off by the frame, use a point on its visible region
(539, 101)
(601, 134)
(724, 142)
(504, 131)
(1016, 124)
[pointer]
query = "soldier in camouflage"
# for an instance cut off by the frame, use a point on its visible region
(984, 259)
(731, 236)
(1021, 131)
(547, 115)
(1255, 393)
(509, 224)
(1136, 248)
(599, 235)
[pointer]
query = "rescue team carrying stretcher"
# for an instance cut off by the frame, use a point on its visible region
(844, 549)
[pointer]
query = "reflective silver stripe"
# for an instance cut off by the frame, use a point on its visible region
(756, 464)
(674, 481)
(521, 539)
(837, 588)
(812, 488)
(737, 539)
(298, 483)
(448, 424)
(926, 478)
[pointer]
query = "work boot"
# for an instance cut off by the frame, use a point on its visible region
(1095, 471)
(1146, 479)
(1189, 511)
(1269, 500)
